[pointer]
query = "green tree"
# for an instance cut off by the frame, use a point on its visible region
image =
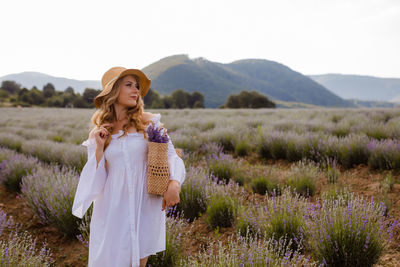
(196, 100)
(35, 97)
(10, 86)
(249, 99)
(49, 90)
(79, 102)
(167, 101)
(179, 99)
(89, 94)
(69, 90)
(151, 97)
(4, 94)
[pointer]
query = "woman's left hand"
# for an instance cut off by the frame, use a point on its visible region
(171, 196)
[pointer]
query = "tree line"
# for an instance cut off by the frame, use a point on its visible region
(10, 91)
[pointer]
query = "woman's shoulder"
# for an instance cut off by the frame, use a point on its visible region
(150, 116)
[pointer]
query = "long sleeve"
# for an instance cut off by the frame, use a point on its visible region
(91, 181)
(176, 164)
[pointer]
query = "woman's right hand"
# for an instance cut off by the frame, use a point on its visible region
(101, 134)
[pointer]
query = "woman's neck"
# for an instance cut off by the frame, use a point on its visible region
(120, 113)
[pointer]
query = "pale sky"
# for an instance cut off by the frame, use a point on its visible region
(81, 39)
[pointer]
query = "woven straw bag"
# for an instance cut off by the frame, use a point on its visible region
(158, 173)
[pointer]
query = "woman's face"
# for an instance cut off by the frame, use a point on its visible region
(128, 92)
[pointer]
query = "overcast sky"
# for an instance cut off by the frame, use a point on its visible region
(81, 39)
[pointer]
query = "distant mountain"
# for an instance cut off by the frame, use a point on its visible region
(29, 79)
(217, 80)
(361, 87)
(373, 104)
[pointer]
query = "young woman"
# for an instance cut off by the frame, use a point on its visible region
(127, 223)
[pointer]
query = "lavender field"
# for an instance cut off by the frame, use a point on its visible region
(295, 187)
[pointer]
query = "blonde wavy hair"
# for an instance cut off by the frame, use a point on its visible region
(106, 113)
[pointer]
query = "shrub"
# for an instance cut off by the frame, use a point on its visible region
(349, 235)
(208, 149)
(60, 153)
(13, 169)
(384, 154)
(221, 211)
(242, 251)
(11, 141)
(263, 185)
(227, 141)
(239, 177)
(57, 138)
(248, 223)
(285, 218)
(193, 195)
(242, 148)
(332, 171)
(221, 167)
(303, 178)
(49, 192)
(176, 227)
(19, 249)
(84, 227)
(388, 183)
(7, 223)
(352, 150)
(335, 193)
(6, 154)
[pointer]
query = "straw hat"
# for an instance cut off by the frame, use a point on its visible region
(112, 75)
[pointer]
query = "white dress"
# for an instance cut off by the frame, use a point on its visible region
(127, 223)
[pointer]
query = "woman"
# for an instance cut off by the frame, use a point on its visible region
(127, 224)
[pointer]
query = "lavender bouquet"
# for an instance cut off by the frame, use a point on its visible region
(157, 135)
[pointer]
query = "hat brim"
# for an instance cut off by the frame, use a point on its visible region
(144, 84)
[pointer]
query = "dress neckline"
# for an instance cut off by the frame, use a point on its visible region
(158, 115)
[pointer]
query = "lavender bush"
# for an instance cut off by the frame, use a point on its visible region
(176, 229)
(285, 216)
(332, 171)
(7, 223)
(19, 248)
(335, 193)
(224, 168)
(11, 141)
(249, 221)
(6, 153)
(247, 251)
(49, 192)
(224, 136)
(303, 176)
(265, 185)
(84, 227)
(221, 211)
(384, 154)
(194, 194)
(355, 234)
(14, 168)
(50, 152)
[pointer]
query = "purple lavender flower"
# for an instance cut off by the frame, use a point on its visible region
(157, 135)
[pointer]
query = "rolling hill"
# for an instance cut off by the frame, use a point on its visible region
(28, 79)
(217, 80)
(366, 88)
